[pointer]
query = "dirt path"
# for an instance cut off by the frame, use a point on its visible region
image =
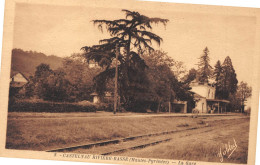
(105, 115)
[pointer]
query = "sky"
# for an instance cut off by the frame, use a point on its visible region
(63, 30)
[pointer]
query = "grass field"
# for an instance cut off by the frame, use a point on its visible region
(47, 131)
(203, 144)
(35, 132)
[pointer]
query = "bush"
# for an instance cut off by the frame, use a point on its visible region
(44, 106)
(99, 106)
(141, 106)
(105, 107)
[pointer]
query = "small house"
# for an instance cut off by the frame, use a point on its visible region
(96, 98)
(17, 81)
(108, 97)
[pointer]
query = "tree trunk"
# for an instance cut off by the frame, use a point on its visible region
(170, 107)
(128, 51)
(116, 78)
(158, 108)
(125, 72)
(243, 108)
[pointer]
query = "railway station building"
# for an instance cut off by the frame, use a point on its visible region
(204, 95)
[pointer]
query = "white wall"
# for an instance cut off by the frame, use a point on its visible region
(19, 78)
(96, 99)
(201, 105)
(204, 91)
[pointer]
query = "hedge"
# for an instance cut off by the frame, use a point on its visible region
(27, 106)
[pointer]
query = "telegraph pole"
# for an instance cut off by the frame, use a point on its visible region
(116, 79)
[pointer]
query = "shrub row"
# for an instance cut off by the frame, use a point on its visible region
(25, 106)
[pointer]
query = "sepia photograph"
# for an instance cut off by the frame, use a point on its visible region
(130, 82)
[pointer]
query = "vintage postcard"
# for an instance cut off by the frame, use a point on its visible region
(129, 82)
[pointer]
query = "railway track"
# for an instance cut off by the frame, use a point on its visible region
(130, 143)
(117, 141)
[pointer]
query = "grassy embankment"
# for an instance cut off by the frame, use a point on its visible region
(45, 131)
(204, 145)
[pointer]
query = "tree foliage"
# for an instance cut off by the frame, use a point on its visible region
(164, 86)
(51, 85)
(217, 74)
(80, 75)
(160, 75)
(204, 67)
(179, 70)
(192, 75)
(227, 81)
(71, 82)
(244, 91)
(130, 37)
